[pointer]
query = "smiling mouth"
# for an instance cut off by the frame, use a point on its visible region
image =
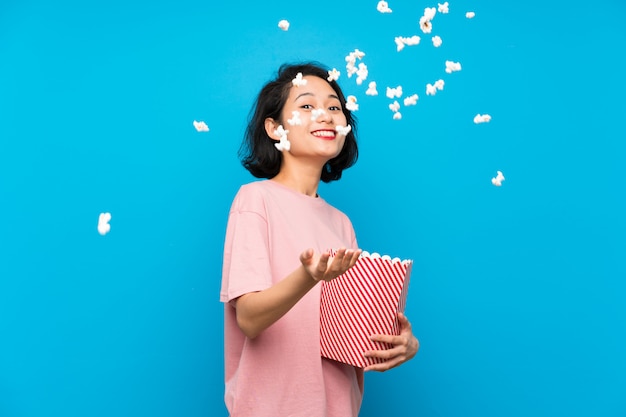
(325, 134)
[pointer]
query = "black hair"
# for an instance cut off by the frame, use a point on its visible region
(258, 153)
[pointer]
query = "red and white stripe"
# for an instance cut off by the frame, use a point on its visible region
(362, 302)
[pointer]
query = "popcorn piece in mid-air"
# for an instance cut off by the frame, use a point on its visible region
(431, 89)
(401, 41)
(437, 41)
(443, 8)
(361, 73)
(200, 126)
(284, 25)
(394, 92)
(333, 75)
(298, 81)
(284, 144)
(371, 89)
(103, 223)
(429, 13)
(470, 15)
(452, 66)
(351, 103)
(295, 118)
(343, 130)
(351, 58)
(383, 7)
(315, 113)
(497, 181)
(395, 108)
(411, 100)
(425, 25)
(425, 20)
(484, 118)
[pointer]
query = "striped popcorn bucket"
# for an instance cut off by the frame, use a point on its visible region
(361, 302)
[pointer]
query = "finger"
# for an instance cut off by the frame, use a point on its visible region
(337, 263)
(384, 366)
(322, 263)
(388, 338)
(306, 256)
(404, 322)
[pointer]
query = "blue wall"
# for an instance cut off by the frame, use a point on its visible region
(517, 294)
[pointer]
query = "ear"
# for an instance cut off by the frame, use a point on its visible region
(270, 126)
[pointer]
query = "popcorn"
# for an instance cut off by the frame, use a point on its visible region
(470, 15)
(351, 66)
(394, 92)
(351, 70)
(437, 41)
(200, 126)
(315, 113)
(295, 118)
(411, 100)
(431, 89)
(452, 66)
(395, 107)
(284, 25)
(429, 13)
(383, 7)
(402, 41)
(371, 89)
(351, 103)
(103, 223)
(333, 75)
(351, 61)
(485, 118)
(298, 81)
(443, 8)
(399, 40)
(343, 130)
(361, 73)
(356, 54)
(497, 181)
(425, 25)
(284, 144)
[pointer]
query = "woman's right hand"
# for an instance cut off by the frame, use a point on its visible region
(319, 268)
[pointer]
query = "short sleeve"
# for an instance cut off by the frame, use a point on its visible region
(246, 262)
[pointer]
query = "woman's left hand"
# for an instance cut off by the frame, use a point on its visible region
(405, 346)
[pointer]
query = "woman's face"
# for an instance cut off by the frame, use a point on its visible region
(311, 114)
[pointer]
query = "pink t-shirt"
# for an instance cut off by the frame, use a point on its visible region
(280, 373)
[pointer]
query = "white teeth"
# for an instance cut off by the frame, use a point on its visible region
(324, 133)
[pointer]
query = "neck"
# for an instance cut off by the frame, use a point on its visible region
(305, 181)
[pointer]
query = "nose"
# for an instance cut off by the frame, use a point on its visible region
(324, 116)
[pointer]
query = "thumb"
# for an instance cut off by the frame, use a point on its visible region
(306, 256)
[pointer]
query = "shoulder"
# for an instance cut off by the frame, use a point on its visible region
(250, 197)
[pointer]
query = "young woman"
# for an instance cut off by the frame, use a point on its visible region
(278, 236)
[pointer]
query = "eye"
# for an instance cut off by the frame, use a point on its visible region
(306, 106)
(334, 108)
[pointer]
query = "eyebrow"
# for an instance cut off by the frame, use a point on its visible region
(311, 94)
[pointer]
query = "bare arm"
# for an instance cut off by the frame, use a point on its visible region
(257, 311)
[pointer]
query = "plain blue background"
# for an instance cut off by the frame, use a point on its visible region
(517, 293)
